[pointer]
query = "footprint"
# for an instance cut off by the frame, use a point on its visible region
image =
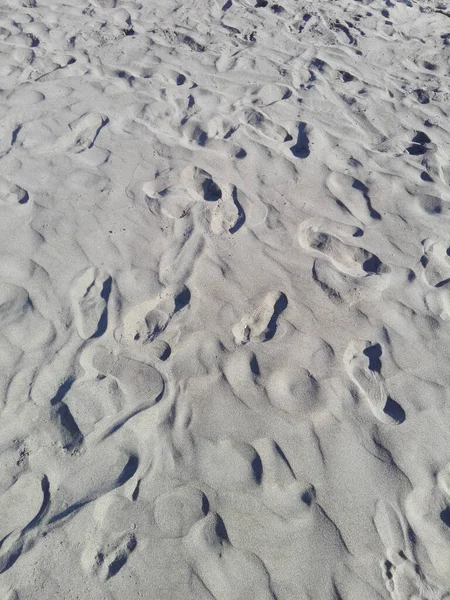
(170, 201)
(113, 556)
(112, 539)
(323, 238)
(18, 539)
(227, 464)
(352, 196)
(227, 572)
(85, 130)
(142, 385)
(438, 301)
(20, 504)
(281, 491)
(91, 476)
(178, 510)
(295, 392)
(93, 400)
(200, 185)
(228, 215)
(436, 263)
(404, 580)
(22, 323)
(338, 286)
(261, 324)
(90, 293)
(363, 365)
(145, 322)
(11, 194)
(402, 575)
(261, 126)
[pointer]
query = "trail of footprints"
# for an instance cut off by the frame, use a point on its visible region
(135, 386)
(123, 373)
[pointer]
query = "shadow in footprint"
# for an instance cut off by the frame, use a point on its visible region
(205, 504)
(121, 559)
(103, 321)
(74, 437)
(200, 136)
(372, 264)
(221, 530)
(129, 470)
(445, 516)
(359, 185)
(211, 191)
(442, 283)
(373, 353)
(183, 299)
(241, 214)
(257, 468)
(63, 389)
(301, 147)
(394, 410)
(45, 505)
(419, 142)
(279, 307)
(283, 457)
(254, 366)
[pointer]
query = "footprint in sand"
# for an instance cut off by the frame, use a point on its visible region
(170, 201)
(200, 185)
(23, 507)
(282, 492)
(89, 294)
(11, 194)
(295, 392)
(20, 504)
(142, 385)
(145, 322)
(21, 322)
(260, 126)
(227, 464)
(260, 325)
(436, 263)
(322, 237)
(352, 196)
(438, 301)
(428, 510)
(223, 464)
(402, 575)
(178, 510)
(110, 559)
(340, 287)
(363, 365)
(85, 130)
(175, 200)
(228, 215)
(112, 535)
(227, 572)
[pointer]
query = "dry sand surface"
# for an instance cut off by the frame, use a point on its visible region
(225, 300)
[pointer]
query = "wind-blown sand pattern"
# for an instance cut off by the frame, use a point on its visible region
(225, 300)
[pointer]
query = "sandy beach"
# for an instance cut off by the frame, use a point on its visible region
(224, 300)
